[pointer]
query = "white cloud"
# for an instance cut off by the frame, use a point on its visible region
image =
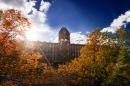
(40, 30)
(7, 4)
(122, 20)
(78, 38)
(44, 6)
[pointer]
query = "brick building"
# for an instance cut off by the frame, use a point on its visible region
(57, 53)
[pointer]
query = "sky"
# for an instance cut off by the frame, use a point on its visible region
(86, 15)
(79, 16)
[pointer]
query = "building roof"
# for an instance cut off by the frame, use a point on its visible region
(63, 29)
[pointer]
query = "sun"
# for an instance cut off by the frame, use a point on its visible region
(31, 35)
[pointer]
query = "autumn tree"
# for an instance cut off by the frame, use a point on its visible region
(104, 61)
(119, 75)
(12, 26)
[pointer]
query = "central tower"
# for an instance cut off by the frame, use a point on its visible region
(64, 43)
(64, 36)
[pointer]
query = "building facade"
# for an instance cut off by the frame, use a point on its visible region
(61, 52)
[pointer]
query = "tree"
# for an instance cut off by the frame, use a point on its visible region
(119, 74)
(104, 61)
(12, 25)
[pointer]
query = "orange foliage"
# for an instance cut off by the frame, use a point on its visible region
(13, 24)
